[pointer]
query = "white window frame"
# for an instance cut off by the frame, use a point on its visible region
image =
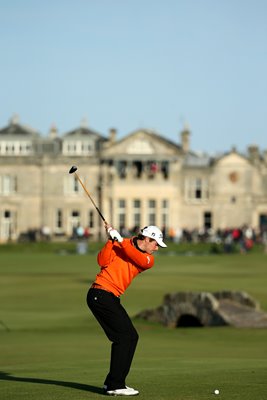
(11, 148)
(59, 220)
(77, 148)
(136, 212)
(196, 189)
(165, 212)
(8, 185)
(152, 212)
(72, 186)
(121, 213)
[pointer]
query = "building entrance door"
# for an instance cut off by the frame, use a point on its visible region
(74, 222)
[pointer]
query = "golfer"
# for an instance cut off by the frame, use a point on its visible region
(120, 260)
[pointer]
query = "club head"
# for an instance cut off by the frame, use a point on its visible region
(73, 169)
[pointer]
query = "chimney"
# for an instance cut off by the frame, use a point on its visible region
(185, 139)
(84, 123)
(112, 135)
(53, 132)
(253, 153)
(14, 120)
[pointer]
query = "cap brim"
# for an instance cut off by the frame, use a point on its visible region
(161, 243)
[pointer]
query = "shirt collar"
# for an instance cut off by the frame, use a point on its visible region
(134, 241)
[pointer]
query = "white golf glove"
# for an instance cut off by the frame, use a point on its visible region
(115, 235)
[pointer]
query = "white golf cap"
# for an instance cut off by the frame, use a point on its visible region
(155, 233)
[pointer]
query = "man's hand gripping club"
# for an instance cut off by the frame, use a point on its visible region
(113, 234)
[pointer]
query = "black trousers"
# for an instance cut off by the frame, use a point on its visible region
(119, 329)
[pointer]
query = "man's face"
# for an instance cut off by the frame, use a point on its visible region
(150, 245)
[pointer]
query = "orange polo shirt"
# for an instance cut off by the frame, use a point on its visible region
(120, 263)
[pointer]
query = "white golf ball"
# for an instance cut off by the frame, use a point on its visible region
(216, 391)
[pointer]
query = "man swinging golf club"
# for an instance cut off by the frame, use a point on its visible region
(120, 260)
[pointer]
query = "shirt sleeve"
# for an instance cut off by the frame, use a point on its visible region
(104, 256)
(142, 260)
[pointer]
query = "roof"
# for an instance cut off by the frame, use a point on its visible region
(152, 134)
(193, 159)
(16, 129)
(85, 132)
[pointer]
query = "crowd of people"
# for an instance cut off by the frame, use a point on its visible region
(244, 237)
(230, 239)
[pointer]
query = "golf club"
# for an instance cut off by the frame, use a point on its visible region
(73, 171)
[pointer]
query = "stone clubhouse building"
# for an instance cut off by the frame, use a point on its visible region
(141, 179)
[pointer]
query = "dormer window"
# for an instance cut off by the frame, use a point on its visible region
(15, 148)
(77, 148)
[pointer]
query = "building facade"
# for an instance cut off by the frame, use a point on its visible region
(142, 179)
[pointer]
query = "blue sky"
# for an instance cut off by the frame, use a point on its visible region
(133, 64)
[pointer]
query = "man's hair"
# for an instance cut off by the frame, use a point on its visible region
(142, 237)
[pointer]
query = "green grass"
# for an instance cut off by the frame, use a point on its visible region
(52, 348)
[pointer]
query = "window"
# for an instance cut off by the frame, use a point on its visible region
(91, 219)
(122, 169)
(152, 167)
(75, 185)
(8, 185)
(77, 147)
(122, 213)
(136, 213)
(137, 204)
(165, 169)
(59, 219)
(165, 212)
(207, 220)
(151, 212)
(196, 189)
(7, 214)
(263, 221)
(71, 148)
(86, 148)
(71, 185)
(152, 203)
(165, 204)
(137, 168)
(15, 148)
(121, 203)
(74, 221)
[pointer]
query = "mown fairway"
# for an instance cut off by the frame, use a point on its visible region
(52, 348)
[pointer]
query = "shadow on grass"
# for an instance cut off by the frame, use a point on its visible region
(80, 386)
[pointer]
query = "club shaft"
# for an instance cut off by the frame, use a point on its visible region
(92, 200)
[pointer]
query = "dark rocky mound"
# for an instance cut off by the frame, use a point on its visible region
(185, 309)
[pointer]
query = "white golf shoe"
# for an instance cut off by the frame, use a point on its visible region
(127, 391)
